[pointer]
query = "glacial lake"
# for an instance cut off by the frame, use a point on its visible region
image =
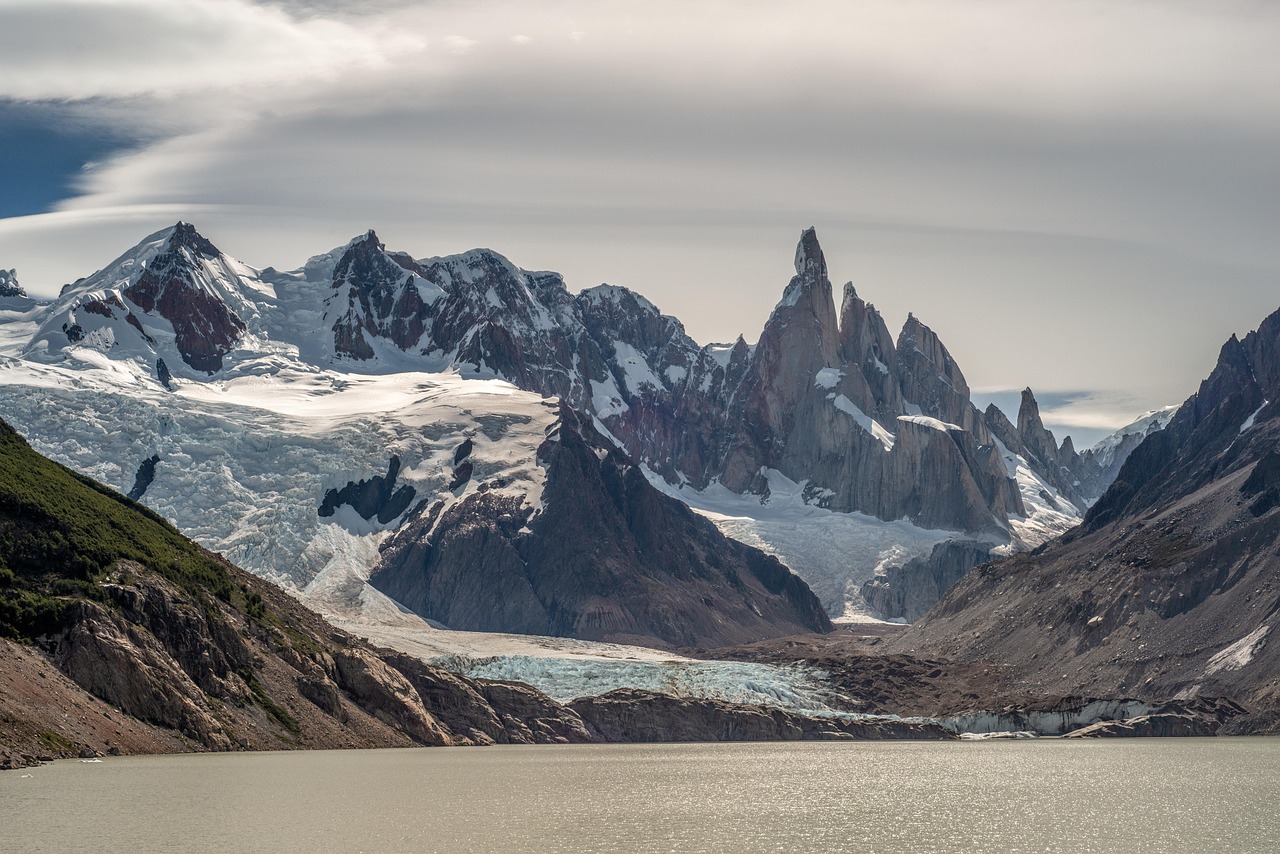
(1193, 795)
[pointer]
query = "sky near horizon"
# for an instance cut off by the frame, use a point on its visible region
(1083, 197)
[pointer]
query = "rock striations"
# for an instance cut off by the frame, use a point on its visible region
(1170, 587)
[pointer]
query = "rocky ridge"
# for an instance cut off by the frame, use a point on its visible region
(825, 396)
(1169, 587)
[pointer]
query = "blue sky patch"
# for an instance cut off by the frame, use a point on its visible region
(42, 153)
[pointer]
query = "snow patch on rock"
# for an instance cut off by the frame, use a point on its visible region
(865, 421)
(1239, 654)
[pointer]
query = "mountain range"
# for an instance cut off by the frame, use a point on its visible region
(855, 459)
(468, 441)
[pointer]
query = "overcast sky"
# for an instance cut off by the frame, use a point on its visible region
(1083, 197)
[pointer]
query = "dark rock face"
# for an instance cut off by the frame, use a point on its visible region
(145, 476)
(375, 497)
(491, 712)
(932, 380)
(1169, 587)
(908, 591)
(607, 558)
(163, 375)
(475, 310)
(1079, 478)
(9, 286)
(639, 716)
(1147, 726)
(205, 327)
(382, 299)
(1178, 719)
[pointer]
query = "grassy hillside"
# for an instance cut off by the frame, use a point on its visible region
(60, 531)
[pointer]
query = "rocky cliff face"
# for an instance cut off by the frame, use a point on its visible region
(604, 557)
(908, 591)
(1169, 587)
(629, 716)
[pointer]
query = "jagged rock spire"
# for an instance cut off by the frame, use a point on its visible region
(807, 307)
(809, 258)
(1034, 435)
(801, 337)
(932, 380)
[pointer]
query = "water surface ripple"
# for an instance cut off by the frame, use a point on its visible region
(1194, 795)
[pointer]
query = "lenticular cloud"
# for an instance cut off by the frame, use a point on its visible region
(141, 47)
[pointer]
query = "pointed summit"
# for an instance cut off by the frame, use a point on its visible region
(810, 261)
(809, 294)
(865, 343)
(1031, 429)
(381, 298)
(932, 380)
(183, 235)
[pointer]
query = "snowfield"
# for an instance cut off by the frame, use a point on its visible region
(835, 553)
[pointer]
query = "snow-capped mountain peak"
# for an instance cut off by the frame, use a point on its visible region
(1105, 451)
(173, 295)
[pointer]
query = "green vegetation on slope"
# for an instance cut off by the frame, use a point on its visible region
(60, 531)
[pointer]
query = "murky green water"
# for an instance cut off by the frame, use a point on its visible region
(1193, 795)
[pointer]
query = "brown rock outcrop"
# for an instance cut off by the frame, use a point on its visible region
(639, 716)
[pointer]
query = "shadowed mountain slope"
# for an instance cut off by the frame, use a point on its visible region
(1171, 586)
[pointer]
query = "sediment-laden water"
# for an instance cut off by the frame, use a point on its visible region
(1193, 795)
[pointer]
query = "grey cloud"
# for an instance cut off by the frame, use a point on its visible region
(1056, 192)
(74, 49)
